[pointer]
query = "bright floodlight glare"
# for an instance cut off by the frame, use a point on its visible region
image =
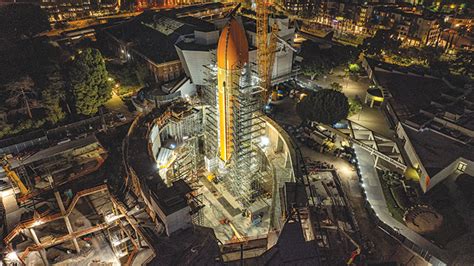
(13, 256)
(37, 222)
(264, 141)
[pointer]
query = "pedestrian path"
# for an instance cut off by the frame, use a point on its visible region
(373, 191)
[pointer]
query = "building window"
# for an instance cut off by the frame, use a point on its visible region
(461, 166)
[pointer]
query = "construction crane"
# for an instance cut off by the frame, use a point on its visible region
(14, 177)
(266, 46)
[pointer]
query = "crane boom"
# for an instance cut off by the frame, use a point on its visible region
(15, 179)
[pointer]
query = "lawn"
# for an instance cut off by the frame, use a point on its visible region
(400, 196)
(396, 211)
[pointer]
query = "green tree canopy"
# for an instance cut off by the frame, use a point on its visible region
(21, 94)
(324, 106)
(354, 68)
(463, 64)
(88, 79)
(131, 76)
(383, 40)
(318, 61)
(52, 96)
(354, 107)
(22, 20)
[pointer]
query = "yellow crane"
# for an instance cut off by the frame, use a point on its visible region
(266, 46)
(14, 178)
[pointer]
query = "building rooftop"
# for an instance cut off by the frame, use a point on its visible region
(417, 70)
(432, 148)
(171, 199)
(183, 45)
(55, 150)
(410, 93)
(154, 33)
(196, 246)
(292, 248)
(419, 120)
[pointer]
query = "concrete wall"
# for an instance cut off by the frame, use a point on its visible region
(173, 222)
(451, 169)
(281, 143)
(413, 158)
(194, 62)
(206, 38)
(155, 140)
(187, 89)
(415, 161)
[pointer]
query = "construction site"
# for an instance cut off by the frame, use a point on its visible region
(203, 180)
(59, 209)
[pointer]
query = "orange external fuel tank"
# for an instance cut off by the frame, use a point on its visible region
(232, 55)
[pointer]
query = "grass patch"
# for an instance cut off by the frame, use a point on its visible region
(398, 193)
(396, 211)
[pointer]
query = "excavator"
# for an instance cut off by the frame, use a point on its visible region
(12, 175)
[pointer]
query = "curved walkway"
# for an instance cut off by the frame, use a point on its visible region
(374, 195)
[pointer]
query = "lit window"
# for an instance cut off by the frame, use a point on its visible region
(461, 166)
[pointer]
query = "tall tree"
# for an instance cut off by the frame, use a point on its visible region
(19, 21)
(52, 96)
(88, 80)
(324, 106)
(317, 61)
(21, 92)
(383, 40)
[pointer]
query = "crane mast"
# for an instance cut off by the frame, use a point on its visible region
(266, 46)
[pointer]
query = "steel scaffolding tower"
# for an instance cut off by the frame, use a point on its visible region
(186, 165)
(210, 119)
(245, 178)
(242, 173)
